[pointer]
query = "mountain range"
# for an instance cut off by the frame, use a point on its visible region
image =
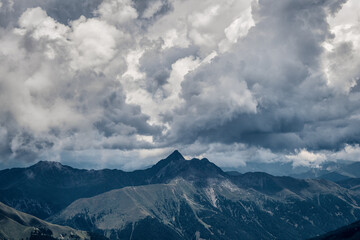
(333, 171)
(180, 199)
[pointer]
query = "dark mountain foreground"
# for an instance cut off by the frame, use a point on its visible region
(17, 225)
(349, 232)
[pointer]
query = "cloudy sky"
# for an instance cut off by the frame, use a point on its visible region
(122, 83)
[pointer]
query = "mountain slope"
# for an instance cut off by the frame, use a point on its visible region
(352, 184)
(349, 232)
(352, 170)
(24, 188)
(17, 225)
(334, 177)
(219, 209)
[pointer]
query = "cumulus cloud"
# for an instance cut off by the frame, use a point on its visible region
(276, 70)
(341, 60)
(304, 157)
(117, 12)
(266, 81)
(59, 87)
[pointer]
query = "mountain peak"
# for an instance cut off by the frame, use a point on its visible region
(175, 156)
(47, 165)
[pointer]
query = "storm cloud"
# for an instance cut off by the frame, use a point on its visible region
(121, 82)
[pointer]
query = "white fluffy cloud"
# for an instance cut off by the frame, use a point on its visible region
(306, 158)
(117, 12)
(341, 59)
(261, 80)
(95, 43)
(59, 88)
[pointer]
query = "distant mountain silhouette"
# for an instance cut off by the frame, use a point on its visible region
(333, 171)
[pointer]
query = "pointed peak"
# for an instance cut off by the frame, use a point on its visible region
(176, 155)
(47, 164)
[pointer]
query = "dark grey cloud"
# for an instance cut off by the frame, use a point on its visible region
(115, 122)
(280, 62)
(156, 64)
